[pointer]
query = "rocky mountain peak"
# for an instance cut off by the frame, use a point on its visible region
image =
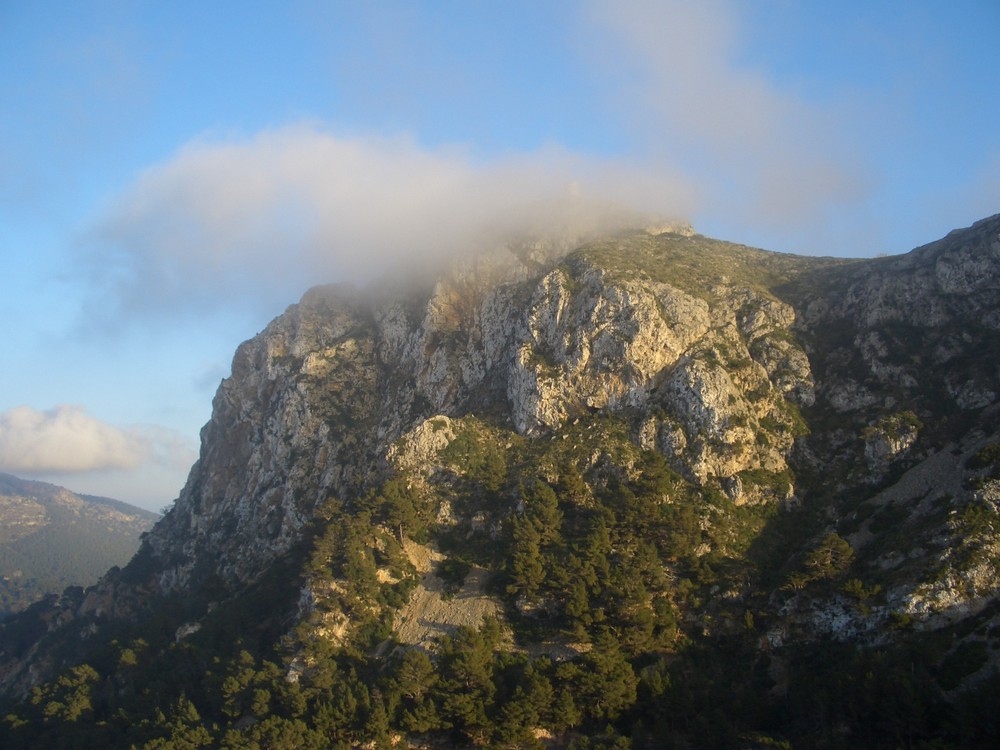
(640, 441)
(707, 370)
(317, 400)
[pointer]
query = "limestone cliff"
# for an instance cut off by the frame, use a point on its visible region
(316, 401)
(820, 422)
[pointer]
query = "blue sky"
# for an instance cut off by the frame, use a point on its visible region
(172, 175)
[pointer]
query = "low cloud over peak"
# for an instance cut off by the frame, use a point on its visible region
(263, 218)
(762, 153)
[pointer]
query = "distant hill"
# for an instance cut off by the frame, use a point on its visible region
(51, 538)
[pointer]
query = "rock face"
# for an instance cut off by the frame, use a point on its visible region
(317, 401)
(916, 328)
(767, 380)
(287, 430)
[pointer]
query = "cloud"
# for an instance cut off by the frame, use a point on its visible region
(758, 151)
(67, 439)
(254, 220)
(260, 219)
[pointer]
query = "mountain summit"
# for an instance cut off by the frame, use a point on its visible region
(658, 486)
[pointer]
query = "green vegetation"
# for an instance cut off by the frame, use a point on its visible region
(986, 465)
(638, 608)
(697, 264)
(895, 426)
(604, 554)
(988, 458)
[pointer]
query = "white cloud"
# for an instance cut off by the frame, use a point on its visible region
(67, 439)
(760, 153)
(266, 217)
(256, 220)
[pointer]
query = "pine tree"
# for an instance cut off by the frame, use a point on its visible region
(526, 568)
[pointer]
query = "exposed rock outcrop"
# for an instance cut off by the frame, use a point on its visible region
(316, 402)
(739, 367)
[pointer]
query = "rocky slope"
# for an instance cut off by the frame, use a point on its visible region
(809, 445)
(712, 376)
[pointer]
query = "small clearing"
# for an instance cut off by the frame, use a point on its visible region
(428, 616)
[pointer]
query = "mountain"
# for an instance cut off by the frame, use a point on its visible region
(51, 538)
(651, 490)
